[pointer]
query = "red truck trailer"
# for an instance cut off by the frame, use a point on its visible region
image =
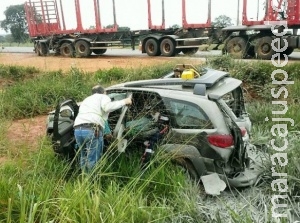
(254, 37)
(47, 29)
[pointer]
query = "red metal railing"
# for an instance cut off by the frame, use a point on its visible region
(275, 11)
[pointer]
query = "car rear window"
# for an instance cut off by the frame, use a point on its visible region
(235, 101)
(186, 115)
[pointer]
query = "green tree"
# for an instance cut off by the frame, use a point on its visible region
(15, 23)
(175, 26)
(222, 21)
(8, 38)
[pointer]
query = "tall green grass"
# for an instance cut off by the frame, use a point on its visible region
(16, 73)
(257, 75)
(29, 96)
(37, 186)
(40, 187)
(43, 188)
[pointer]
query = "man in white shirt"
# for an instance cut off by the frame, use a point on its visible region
(90, 123)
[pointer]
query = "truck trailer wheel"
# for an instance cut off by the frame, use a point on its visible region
(82, 48)
(152, 48)
(237, 47)
(99, 51)
(67, 50)
(288, 51)
(167, 48)
(263, 48)
(41, 49)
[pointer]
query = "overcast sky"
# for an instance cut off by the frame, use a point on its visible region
(133, 13)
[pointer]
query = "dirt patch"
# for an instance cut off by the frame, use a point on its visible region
(27, 131)
(52, 63)
(25, 134)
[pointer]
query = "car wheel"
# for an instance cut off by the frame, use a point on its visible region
(189, 168)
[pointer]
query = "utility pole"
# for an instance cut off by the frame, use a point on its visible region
(257, 10)
(238, 13)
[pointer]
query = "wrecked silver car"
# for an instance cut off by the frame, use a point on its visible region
(209, 126)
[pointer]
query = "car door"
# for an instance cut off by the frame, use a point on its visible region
(235, 102)
(116, 119)
(60, 128)
(133, 121)
(238, 157)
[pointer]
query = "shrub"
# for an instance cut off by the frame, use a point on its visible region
(17, 73)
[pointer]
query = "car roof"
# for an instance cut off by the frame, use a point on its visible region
(213, 84)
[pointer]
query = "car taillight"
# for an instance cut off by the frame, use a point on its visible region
(243, 131)
(222, 141)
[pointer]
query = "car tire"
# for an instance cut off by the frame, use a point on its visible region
(188, 168)
(191, 170)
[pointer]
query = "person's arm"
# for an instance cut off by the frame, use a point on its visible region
(110, 106)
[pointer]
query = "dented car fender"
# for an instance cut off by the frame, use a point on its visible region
(186, 152)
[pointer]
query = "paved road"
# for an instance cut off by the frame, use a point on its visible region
(109, 52)
(129, 52)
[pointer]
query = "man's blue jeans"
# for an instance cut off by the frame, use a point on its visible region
(90, 147)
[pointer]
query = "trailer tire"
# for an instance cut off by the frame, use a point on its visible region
(237, 47)
(82, 48)
(151, 47)
(263, 48)
(288, 51)
(99, 51)
(190, 51)
(177, 51)
(67, 50)
(167, 48)
(41, 49)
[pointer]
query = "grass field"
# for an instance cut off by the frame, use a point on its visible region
(37, 186)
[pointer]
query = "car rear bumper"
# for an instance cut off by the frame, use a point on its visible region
(246, 178)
